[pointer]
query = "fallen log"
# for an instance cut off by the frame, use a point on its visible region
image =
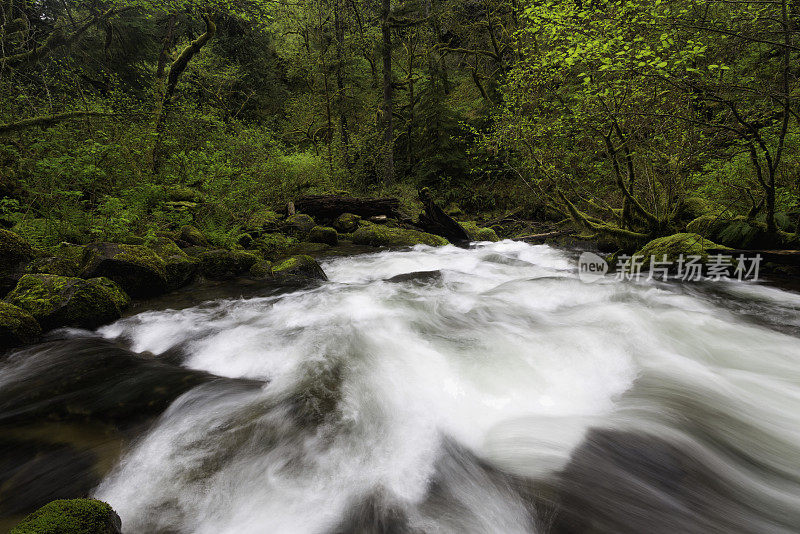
(436, 221)
(329, 207)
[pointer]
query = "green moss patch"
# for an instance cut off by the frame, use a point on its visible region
(375, 235)
(71, 516)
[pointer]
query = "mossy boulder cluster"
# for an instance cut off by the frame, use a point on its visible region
(71, 516)
(677, 245)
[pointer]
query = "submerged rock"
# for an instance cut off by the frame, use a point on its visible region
(139, 270)
(56, 301)
(17, 326)
(225, 264)
(323, 234)
(71, 516)
(375, 235)
(298, 269)
(416, 276)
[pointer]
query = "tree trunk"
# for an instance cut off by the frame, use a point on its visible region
(386, 112)
(328, 207)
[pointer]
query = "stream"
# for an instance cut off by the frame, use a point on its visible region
(447, 390)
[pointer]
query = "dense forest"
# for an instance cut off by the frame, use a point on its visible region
(630, 119)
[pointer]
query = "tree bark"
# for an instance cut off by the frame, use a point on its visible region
(386, 112)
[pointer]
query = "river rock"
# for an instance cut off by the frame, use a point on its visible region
(136, 268)
(225, 264)
(298, 269)
(375, 235)
(71, 516)
(17, 327)
(323, 234)
(674, 246)
(261, 269)
(180, 268)
(56, 301)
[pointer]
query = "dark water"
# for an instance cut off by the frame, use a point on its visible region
(490, 392)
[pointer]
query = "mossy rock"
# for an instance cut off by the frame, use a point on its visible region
(479, 233)
(58, 265)
(192, 236)
(17, 327)
(71, 516)
(274, 245)
(309, 249)
(347, 223)
(674, 246)
(263, 221)
(693, 207)
(298, 270)
(225, 264)
(184, 194)
(56, 301)
(13, 250)
(323, 234)
(376, 235)
(298, 226)
(453, 210)
(181, 269)
(138, 269)
(262, 270)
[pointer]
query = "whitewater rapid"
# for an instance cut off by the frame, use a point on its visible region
(492, 392)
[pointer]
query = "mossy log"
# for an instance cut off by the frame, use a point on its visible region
(329, 207)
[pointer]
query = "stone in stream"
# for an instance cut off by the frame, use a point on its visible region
(417, 276)
(298, 270)
(56, 301)
(138, 269)
(323, 234)
(225, 264)
(17, 327)
(71, 516)
(347, 223)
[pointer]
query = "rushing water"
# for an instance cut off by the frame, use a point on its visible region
(490, 392)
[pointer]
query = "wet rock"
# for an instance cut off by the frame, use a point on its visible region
(180, 268)
(139, 270)
(89, 380)
(274, 245)
(347, 223)
(298, 270)
(225, 264)
(417, 276)
(375, 235)
(17, 327)
(323, 234)
(56, 301)
(73, 516)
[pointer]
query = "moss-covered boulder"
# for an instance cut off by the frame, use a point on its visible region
(376, 235)
(674, 246)
(180, 268)
(262, 221)
(58, 265)
(138, 269)
(225, 264)
(323, 234)
(347, 223)
(309, 249)
(15, 252)
(56, 301)
(261, 270)
(298, 270)
(17, 326)
(479, 233)
(191, 235)
(298, 225)
(274, 245)
(71, 516)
